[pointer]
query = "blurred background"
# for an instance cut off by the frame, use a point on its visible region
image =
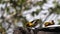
(16, 13)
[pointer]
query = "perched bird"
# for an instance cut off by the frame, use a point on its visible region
(49, 23)
(32, 23)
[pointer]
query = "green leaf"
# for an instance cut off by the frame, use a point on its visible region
(39, 3)
(37, 11)
(32, 13)
(0, 25)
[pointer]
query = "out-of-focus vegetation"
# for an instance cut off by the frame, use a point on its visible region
(13, 9)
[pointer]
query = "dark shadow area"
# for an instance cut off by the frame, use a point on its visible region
(53, 29)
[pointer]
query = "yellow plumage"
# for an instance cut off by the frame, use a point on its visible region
(29, 24)
(32, 23)
(49, 23)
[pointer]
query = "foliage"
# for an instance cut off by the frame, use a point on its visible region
(36, 12)
(20, 6)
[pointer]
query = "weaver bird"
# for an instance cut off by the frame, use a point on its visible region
(32, 23)
(49, 23)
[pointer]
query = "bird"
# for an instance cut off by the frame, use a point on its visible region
(32, 23)
(49, 23)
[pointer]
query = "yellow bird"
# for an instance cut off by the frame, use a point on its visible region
(49, 23)
(32, 23)
(29, 24)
